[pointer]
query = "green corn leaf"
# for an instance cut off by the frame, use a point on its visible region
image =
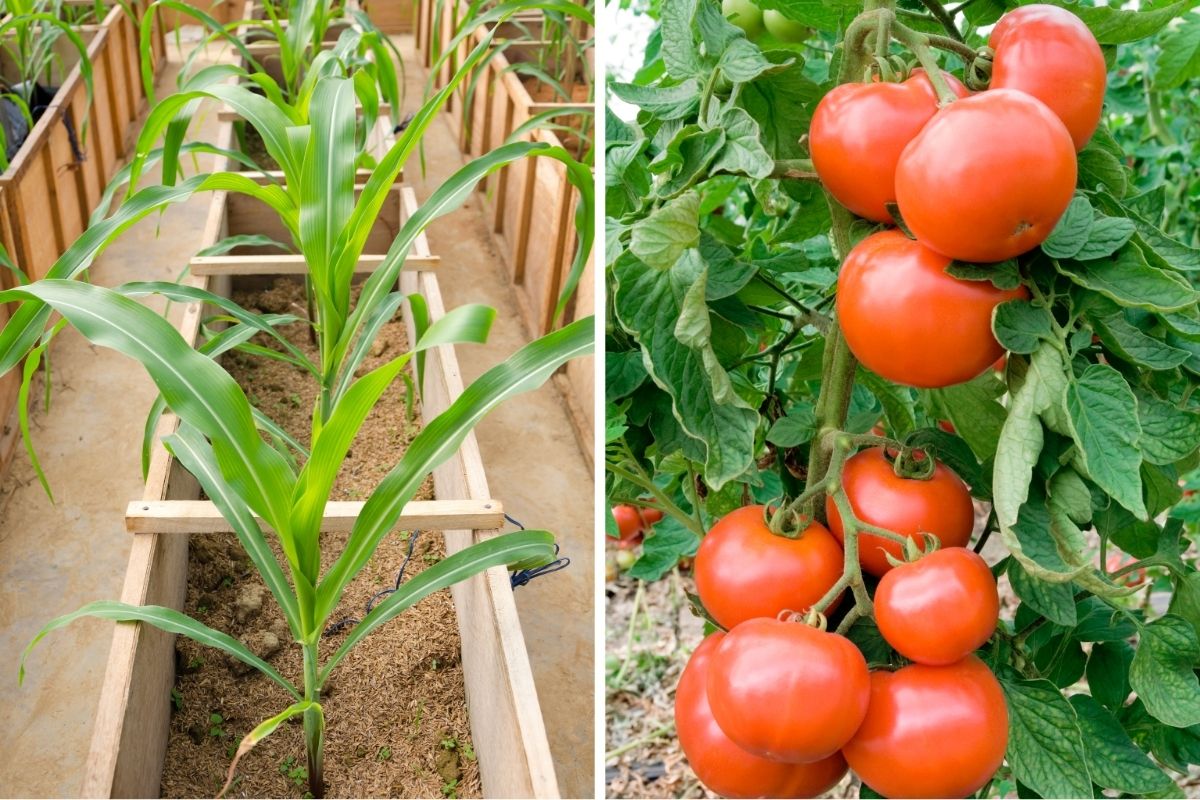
(169, 620)
(508, 548)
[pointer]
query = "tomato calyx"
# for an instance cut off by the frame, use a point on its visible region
(913, 551)
(979, 69)
(812, 618)
(911, 463)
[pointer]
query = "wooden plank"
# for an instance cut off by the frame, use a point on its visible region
(506, 721)
(408, 207)
(227, 114)
(290, 264)
(202, 516)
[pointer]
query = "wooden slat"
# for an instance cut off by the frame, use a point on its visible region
(290, 264)
(226, 114)
(408, 207)
(202, 516)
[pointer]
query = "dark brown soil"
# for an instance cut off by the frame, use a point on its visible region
(396, 719)
(252, 145)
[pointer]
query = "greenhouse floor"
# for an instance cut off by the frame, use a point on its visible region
(54, 558)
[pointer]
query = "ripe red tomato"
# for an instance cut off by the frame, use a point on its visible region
(744, 571)
(787, 691)
(946, 425)
(858, 132)
(629, 524)
(1049, 53)
(987, 178)
(651, 516)
(939, 608)
(931, 731)
(940, 505)
(905, 319)
(724, 767)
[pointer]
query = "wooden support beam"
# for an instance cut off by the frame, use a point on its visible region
(290, 264)
(227, 114)
(201, 516)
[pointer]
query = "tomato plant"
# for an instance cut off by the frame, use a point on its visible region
(1014, 373)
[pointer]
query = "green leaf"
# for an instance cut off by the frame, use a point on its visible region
(1163, 674)
(1054, 601)
(1179, 58)
(661, 237)
(1003, 275)
(668, 542)
(1098, 167)
(1021, 437)
(793, 430)
(1129, 280)
(1169, 433)
(1072, 231)
(743, 62)
(678, 40)
(825, 16)
(1021, 326)
(897, 401)
(648, 304)
(1131, 344)
(663, 102)
(743, 152)
(1104, 424)
(976, 414)
(1114, 25)
(1108, 673)
(1107, 236)
(1185, 602)
(1113, 760)
(169, 620)
(1045, 745)
(779, 102)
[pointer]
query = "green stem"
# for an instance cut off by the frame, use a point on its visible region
(619, 678)
(919, 44)
(1158, 127)
(941, 15)
(314, 724)
(665, 503)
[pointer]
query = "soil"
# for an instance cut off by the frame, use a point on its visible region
(253, 147)
(544, 93)
(396, 718)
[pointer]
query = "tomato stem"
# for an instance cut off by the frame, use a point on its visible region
(919, 44)
(941, 15)
(641, 479)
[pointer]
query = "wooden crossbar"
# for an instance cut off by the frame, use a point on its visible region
(202, 516)
(290, 264)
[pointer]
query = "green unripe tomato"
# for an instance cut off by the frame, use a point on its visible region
(784, 29)
(744, 14)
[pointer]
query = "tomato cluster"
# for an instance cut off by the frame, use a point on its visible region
(633, 523)
(981, 179)
(778, 707)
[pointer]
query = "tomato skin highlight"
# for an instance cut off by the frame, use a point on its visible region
(931, 732)
(988, 178)
(908, 506)
(787, 691)
(721, 765)
(783, 28)
(908, 321)
(1049, 53)
(858, 132)
(940, 608)
(744, 571)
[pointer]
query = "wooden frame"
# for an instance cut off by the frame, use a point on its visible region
(390, 16)
(132, 721)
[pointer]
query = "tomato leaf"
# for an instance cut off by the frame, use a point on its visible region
(660, 239)
(1107, 236)
(667, 542)
(1127, 279)
(1162, 671)
(1113, 760)
(664, 102)
(1045, 745)
(1131, 344)
(1169, 433)
(1003, 275)
(1104, 424)
(1054, 601)
(1072, 231)
(1021, 326)
(1108, 672)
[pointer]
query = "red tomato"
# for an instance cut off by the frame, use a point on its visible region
(724, 767)
(858, 132)
(939, 608)
(651, 516)
(744, 571)
(1001, 363)
(787, 691)
(931, 731)
(946, 425)
(987, 178)
(905, 319)
(1049, 53)
(940, 505)
(629, 524)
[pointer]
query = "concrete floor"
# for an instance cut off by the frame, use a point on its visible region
(54, 558)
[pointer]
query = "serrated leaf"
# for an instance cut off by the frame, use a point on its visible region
(1179, 56)
(1054, 601)
(1163, 674)
(1104, 424)
(1116, 25)
(1113, 760)
(663, 102)
(1107, 236)
(742, 62)
(1045, 745)
(1021, 326)
(1101, 168)
(743, 152)
(1135, 346)
(1072, 230)
(1129, 280)
(660, 239)
(1169, 433)
(1003, 275)
(1108, 672)
(668, 542)
(976, 414)
(793, 430)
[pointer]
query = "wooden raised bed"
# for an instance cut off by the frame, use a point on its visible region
(132, 721)
(390, 16)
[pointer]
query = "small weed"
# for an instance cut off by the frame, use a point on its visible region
(195, 663)
(295, 773)
(450, 789)
(230, 750)
(177, 699)
(215, 721)
(201, 609)
(432, 558)
(294, 399)
(226, 582)
(467, 751)
(434, 664)
(384, 754)
(416, 723)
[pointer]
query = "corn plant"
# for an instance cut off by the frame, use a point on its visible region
(218, 438)
(299, 28)
(28, 35)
